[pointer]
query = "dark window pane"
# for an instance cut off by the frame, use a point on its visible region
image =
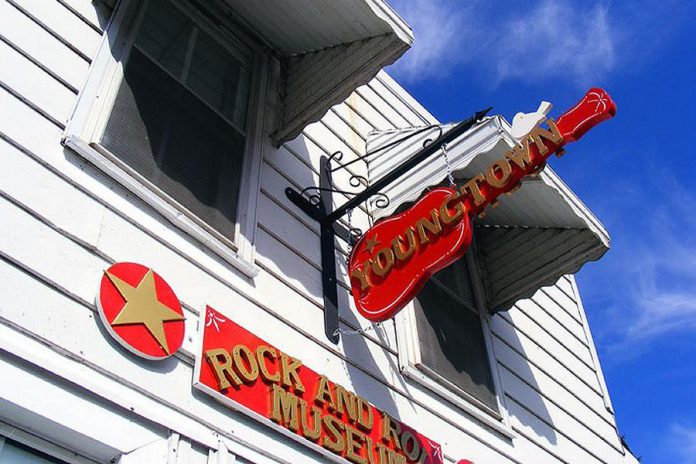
(164, 35)
(451, 336)
(165, 133)
(12, 452)
(219, 79)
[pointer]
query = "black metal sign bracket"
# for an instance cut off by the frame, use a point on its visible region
(317, 203)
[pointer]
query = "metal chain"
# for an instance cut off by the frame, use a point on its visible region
(450, 177)
(358, 331)
(349, 213)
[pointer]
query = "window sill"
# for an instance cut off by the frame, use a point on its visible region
(173, 214)
(495, 422)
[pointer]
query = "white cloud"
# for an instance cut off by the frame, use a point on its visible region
(556, 39)
(651, 282)
(440, 29)
(526, 42)
(684, 443)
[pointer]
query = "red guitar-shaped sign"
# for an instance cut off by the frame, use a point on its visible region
(393, 260)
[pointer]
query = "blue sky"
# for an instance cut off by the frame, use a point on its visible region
(634, 172)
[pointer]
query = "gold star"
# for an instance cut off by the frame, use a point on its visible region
(372, 243)
(143, 307)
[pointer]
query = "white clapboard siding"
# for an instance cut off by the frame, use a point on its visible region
(368, 112)
(571, 337)
(542, 300)
(61, 260)
(352, 118)
(378, 103)
(29, 389)
(547, 333)
(347, 134)
(24, 179)
(63, 23)
(574, 396)
(322, 135)
(294, 168)
(566, 286)
(602, 442)
(541, 354)
(25, 78)
(18, 29)
(407, 99)
(564, 300)
(533, 353)
(390, 98)
(95, 13)
(556, 443)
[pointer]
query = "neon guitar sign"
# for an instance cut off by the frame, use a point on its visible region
(393, 260)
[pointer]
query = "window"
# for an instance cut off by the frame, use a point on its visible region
(445, 343)
(12, 452)
(172, 110)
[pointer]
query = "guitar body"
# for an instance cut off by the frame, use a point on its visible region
(425, 245)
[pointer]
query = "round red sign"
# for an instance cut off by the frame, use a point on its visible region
(141, 311)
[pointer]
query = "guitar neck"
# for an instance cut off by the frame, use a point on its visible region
(529, 157)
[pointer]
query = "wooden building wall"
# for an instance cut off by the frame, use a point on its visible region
(63, 222)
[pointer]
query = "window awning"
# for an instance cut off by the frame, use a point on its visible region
(327, 49)
(537, 234)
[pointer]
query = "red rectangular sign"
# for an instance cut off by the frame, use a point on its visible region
(245, 373)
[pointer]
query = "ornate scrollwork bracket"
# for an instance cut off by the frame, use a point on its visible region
(317, 202)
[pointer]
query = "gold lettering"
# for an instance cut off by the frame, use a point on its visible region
(553, 135)
(445, 215)
(250, 373)
(333, 439)
(434, 227)
(222, 368)
(262, 353)
(472, 187)
(520, 155)
(289, 367)
(365, 422)
(395, 458)
(313, 432)
(412, 449)
(371, 445)
(354, 442)
(323, 394)
(498, 173)
(346, 402)
(402, 255)
(377, 266)
(284, 408)
(536, 140)
(390, 430)
(361, 274)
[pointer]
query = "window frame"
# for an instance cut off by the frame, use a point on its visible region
(41, 446)
(411, 367)
(93, 109)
